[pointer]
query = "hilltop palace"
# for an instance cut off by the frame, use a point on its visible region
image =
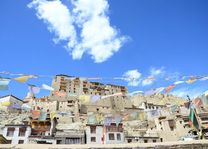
(78, 111)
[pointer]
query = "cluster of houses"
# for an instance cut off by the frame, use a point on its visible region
(81, 112)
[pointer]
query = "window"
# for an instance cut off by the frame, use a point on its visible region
(161, 139)
(72, 141)
(93, 139)
(118, 136)
(129, 140)
(171, 128)
(20, 141)
(22, 131)
(172, 124)
(111, 136)
(9, 141)
(92, 129)
(59, 141)
(10, 131)
(154, 141)
(145, 141)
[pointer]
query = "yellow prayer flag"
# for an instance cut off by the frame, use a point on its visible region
(6, 103)
(99, 118)
(84, 98)
(23, 79)
(52, 115)
(190, 81)
(141, 116)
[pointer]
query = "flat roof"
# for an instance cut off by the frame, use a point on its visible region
(13, 97)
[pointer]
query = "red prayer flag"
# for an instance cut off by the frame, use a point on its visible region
(35, 114)
(59, 93)
(197, 102)
(169, 88)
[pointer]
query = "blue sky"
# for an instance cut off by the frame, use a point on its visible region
(162, 35)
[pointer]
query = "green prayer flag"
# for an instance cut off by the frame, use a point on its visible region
(193, 119)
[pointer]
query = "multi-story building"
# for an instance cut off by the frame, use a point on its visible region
(17, 134)
(70, 86)
(101, 134)
(67, 90)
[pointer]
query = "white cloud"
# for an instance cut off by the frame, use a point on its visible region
(58, 18)
(97, 37)
(132, 77)
(157, 71)
(154, 72)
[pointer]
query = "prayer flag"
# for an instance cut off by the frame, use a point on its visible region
(25, 107)
(204, 78)
(133, 115)
(35, 114)
(178, 82)
(33, 89)
(149, 79)
(84, 98)
(169, 88)
(191, 80)
(159, 90)
(174, 108)
(46, 87)
(94, 78)
(126, 117)
(43, 116)
(61, 94)
(23, 79)
(6, 103)
(154, 91)
(141, 116)
(149, 93)
(116, 94)
(99, 118)
(193, 119)
(118, 119)
(4, 83)
(107, 121)
(15, 106)
(135, 93)
(72, 94)
(92, 119)
(153, 114)
(52, 115)
(197, 102)
(95, 98)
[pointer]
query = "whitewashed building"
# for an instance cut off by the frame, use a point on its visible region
(100, 134)
(17, 134)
